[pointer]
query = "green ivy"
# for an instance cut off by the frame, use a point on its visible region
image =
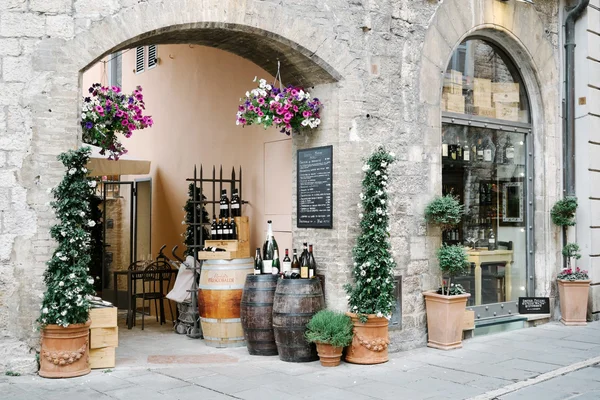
(373, 272)
(68, 285)
(330, 327)
(453, 261)
(563, 212)
(444, 211)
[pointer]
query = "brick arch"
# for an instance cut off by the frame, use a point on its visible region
(308, 56)
(517, 28)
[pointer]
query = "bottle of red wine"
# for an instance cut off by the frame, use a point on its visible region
(257, 262)
(224, 204)
(295, 263)
(233, 229)
(219, 230)
(213, 229)
(287, 263)
(269, 249)
(304, 261)
(236, 204)
(312, 265)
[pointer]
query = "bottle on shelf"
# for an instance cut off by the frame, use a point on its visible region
(509, 151)
(236, 204)
(224, 204)
(312, 265)
(492, 241)
(479, 151)
(269, 249)
(257, 262)
(487, 152)
(466, 153)
(219, 229)
(233, 229)
(295, 263)
(276, 268)
(304, 264)
(444, 150)
(459, 150)
(213, 229)
(287, 263)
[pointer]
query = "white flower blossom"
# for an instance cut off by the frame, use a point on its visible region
(365, 167)
(379, 210)
(72, 171)
(63, 233)
(382, 201)
(379, 314)
(45, 310)
(368, 280)
(377, 173)
(61, 284)
(90, 280)
(379, 192)
(82, 213)
(392, 154)
(361, 195)
(363, 273)
(384, 176)
(384, 164)
(91, 223)
(92, 184)
(63, 313)
(84, 170)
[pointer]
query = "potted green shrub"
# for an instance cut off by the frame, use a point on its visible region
(446, 306)
(573, 284)
(371, 296)
(331, 331)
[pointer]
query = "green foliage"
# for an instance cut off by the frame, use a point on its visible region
(68, 286)
(12, 373)
(373, 272)
(330, 327)
(571, 250)
(563, 212)
(201, 215)
(453, 261)
(96, 240)
(444, 211)
(452, 290)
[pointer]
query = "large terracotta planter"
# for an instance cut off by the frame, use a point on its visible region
(329, 355)
(65, 351)
(445, 320)
(370, 341)
(573, 301)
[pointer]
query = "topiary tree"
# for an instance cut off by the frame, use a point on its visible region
(201, 216)
(453, 261)
(373, 288)
(563, 212)
(444, 211)
(571, 251)
(68, 285)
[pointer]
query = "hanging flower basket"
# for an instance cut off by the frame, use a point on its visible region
(108, 112)
(289, 109)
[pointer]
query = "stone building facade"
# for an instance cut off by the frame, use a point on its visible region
(377, 65)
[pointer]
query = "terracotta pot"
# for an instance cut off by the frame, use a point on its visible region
(329, 355)
(573, 301)
(370, 341)
(65, 351)
(445, 316)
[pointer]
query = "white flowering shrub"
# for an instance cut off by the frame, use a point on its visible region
(68, 284)
(373, 272)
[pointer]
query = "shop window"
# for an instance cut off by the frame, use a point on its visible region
(485, 158)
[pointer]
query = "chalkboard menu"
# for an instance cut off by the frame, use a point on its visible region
(534, 305)
(315, 187)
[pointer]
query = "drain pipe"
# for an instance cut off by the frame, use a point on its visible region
(573, 14)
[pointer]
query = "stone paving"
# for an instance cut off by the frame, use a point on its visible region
(549, 361)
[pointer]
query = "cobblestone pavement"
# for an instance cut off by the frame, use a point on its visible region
(546, 362)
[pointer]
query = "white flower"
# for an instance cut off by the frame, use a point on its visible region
(43, 320)
(61, 284)
(91, 223)
(90, 280)
(358, 205)
(379, 211)
(362, 196)
(379, 314)
(382, 201)
(71, 276)
(392, 154)
(45, 310)
(268, 87)
(377, 173)
(63, 233)
(82, 214)
(92, 184)
(82, 115)
(363, 273)
(262, 83)
(84, 169)
(63, 313)
(72, 171)
(368, 263)
(183, 222)
(368, 280)
(255, 78)
(384, 164)
(379, 192)
(58, 254)
(384, 176)
(317, 121)
(360, 215)
(259, 119)
(247, 94)
(304, 122)
(365, 167)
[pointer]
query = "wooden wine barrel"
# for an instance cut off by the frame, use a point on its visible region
(295, 302)
(219, 296)
(257, 314)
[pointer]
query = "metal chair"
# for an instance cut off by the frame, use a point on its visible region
(153, 288)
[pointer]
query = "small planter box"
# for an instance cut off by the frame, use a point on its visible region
(104, 337)
(573, 301)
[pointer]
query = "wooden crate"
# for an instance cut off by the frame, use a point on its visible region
(453, 88)
(455, 77)
(469, 320)
(489, 112)
(481, 85)
(104, 337)
(455, 103)
(239, 248)
(506, 97)
(508, 111)
(505, 87)
(103, 317)
(102, 358)
(482, 99)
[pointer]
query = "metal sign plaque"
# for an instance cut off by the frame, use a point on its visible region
(534, 305)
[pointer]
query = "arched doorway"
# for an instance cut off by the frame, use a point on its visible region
(487, 157)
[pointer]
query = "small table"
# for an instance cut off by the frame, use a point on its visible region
(480, 256)
(131, 276)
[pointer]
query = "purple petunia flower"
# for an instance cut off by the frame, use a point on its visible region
(89, 125)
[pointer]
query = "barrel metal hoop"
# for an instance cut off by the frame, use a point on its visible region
(215, 320)
(221, 287)
(260, 289)
(310, 314)
(256, 304)
(299, 295)
(220, 339)
(289, 328)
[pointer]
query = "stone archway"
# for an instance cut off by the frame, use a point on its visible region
(44, 90)
(517, 28)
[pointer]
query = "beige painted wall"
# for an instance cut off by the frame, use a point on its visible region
(193, 96)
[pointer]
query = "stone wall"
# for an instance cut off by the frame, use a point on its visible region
(376, 64)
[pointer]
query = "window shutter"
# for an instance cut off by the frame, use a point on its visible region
(139, 59)
(152, 56)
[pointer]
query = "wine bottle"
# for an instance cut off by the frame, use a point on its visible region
(487, 152)
(492, 241)
(466, 153)
(479, 151)
(445, 150)
(304, 261)
(269, 249)
(295, 263)
(287, 263)
(219, 229)
(509, 151)
(213, 229)
(276, 265)
(459, 151)
(236, 204)
(227, 229)
(224, 204)
(257, 262)
(233, 229)
(312, 265)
